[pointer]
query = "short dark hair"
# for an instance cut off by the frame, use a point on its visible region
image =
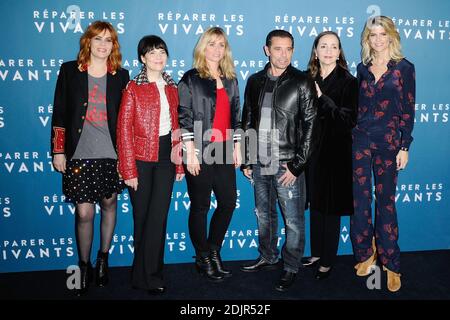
(150, 42)
(278, 33)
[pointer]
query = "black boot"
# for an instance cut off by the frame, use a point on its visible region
(205, 267)
(286, 280)
(101, 269)
(217, 262)
(86, 275)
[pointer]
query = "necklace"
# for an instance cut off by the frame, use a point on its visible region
(383, 63)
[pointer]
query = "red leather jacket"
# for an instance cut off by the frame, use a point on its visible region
(138, 126)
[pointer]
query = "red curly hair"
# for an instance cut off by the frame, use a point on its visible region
(84, 55)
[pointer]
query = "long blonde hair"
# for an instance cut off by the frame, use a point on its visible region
(226, 65)
(395, 48)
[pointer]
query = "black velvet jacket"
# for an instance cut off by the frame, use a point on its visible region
(329, 173)
(293, 113)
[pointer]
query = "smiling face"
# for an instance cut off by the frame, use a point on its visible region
(280, 54)
(215, 50)
(101, 45)
(327, 50)
(378, 39)
(155, 59)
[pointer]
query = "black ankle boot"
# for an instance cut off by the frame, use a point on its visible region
(205, 267)
(101, 269)
(85, 277)
(217, 262)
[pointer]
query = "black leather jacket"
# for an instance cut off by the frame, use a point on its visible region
(293, 113)
(198, 104)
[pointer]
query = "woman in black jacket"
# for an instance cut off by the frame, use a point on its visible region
(85, 109)
(209, 113)
(329, 175)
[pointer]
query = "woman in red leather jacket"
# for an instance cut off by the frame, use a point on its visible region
(146, 138)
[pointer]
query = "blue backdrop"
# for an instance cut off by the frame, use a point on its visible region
(37, 226)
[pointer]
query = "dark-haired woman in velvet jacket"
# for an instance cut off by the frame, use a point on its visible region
(329, 175)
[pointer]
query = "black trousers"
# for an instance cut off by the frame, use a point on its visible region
(151, 204)
(220, 178)
(325, 230)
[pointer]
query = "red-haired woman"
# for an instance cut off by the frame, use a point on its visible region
(83, 140)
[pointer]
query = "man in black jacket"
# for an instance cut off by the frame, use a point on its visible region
(279, 110)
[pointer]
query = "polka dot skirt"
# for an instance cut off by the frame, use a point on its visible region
(91, 180)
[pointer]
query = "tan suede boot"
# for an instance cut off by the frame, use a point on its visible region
(393, 280)
(363, 268)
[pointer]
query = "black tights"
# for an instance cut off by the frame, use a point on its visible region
(85, 213)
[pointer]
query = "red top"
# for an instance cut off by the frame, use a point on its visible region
(222, 117)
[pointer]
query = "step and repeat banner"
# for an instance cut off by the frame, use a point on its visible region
(37, 225)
